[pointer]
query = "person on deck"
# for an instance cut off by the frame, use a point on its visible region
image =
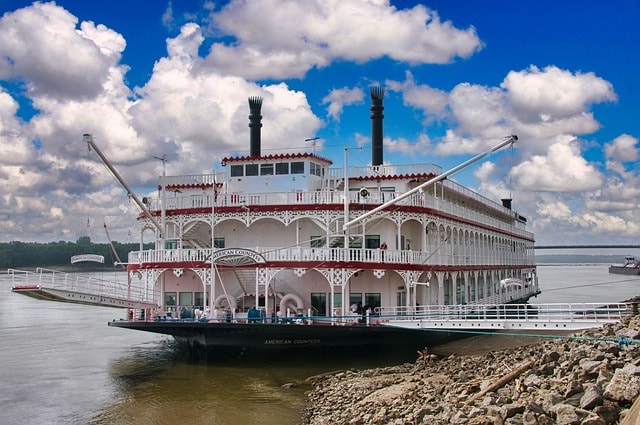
(383, 248)
(253, 315)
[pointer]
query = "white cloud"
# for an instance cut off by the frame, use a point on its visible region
(40, 45)
(624, 148)
(554, 94)
(15, 146)
(297, 36)
(562, 169)
(431, 101)
(168, 19)
(485, 171)
(538, 105)
(185, 107)
(338, 98)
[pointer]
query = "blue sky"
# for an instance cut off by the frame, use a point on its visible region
(153, 78)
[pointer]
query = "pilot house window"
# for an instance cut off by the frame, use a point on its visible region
(237, 170)
(316, 169)
(266, 169)
(297, 167)
(282, 168)
(251, 170)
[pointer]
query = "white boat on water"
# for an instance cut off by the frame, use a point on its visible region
(285, 252)
(630, 266)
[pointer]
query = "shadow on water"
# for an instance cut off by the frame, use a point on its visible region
(159, 382)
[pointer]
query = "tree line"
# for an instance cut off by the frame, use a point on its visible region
(17, 254)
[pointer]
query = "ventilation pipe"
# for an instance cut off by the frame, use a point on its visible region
(255, 123)
(377, 93)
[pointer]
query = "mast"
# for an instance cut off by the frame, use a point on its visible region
(88, 138)
(508, 141)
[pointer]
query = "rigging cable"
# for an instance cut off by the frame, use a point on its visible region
(113, 250)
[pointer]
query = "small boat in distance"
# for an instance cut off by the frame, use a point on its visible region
(630, 266)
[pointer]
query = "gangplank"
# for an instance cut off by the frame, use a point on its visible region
(78, 288)
(513, 317)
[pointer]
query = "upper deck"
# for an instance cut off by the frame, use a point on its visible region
(195, 193)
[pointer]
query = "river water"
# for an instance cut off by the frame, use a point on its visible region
(61, 364)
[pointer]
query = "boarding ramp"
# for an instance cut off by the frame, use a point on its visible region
(512, 317)
(53, 285)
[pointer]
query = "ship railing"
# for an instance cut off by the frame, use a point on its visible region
(552, 312)
(539, 315)
(80, 283)
(373, 198)
(190, 180)
(189, 255)
(327, 254)
(383, 170)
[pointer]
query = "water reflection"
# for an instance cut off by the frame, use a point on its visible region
(157, 383)
(160, 385)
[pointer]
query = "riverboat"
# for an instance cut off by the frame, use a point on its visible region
(630, 266)
(284, 253)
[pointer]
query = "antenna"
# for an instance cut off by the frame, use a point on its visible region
(313, 141)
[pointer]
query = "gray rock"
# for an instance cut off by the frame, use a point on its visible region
(591, 398)
(623, 387)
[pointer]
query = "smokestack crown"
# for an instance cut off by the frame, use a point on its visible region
(255, 123)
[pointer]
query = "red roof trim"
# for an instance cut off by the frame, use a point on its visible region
(190, 186)
(275, 157)
(394, 177)
(334, 264)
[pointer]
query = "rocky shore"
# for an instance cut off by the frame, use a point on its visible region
(589, 378)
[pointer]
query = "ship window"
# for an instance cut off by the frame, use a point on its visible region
(237, 171)
(319, 303)
(337, 301)
(169, 298)
(372, 300)
(317, 241)
(355, 298)
(251, 170)
(266, 169)
(185, 298)
(199, 299)
(401, 298)
(387, 193)
(297, 167)
(316, 169)
(218, 243)
(282, 168)
(372, 241)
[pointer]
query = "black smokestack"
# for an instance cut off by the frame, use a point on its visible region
(255, 123)
(377, 93)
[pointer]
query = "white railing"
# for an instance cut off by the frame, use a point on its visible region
(190, 180)
(539, 313)
(81, 284)
(320, 255)
(248, 200)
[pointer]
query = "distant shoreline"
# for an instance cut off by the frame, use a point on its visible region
(578, 259)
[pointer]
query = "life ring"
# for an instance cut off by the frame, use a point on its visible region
(288, 299)
(233, 304)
